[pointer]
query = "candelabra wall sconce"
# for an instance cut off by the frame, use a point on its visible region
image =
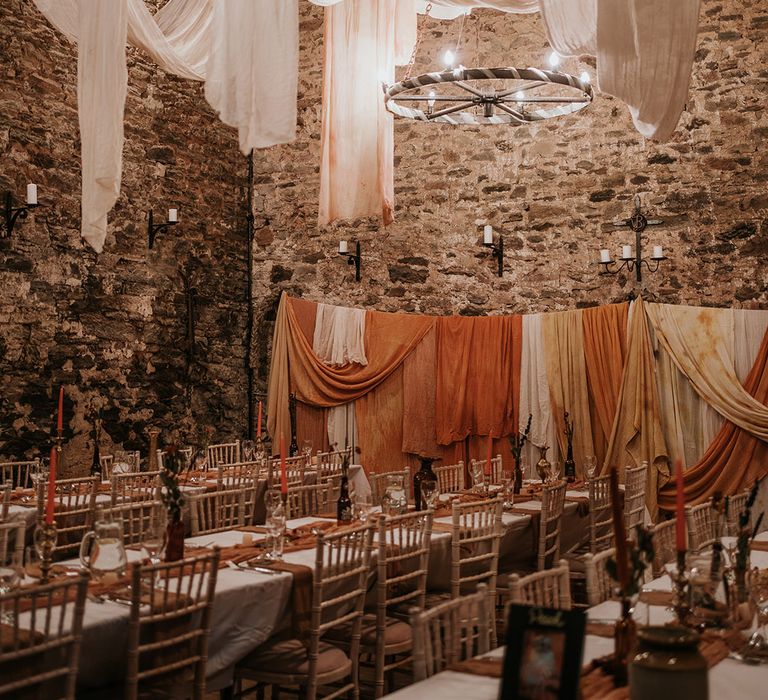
(352, 258)
(629, 260)
(497, 249)
(12, 213)
(153, 229)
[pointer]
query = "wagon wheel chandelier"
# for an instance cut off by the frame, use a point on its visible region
(507, 95)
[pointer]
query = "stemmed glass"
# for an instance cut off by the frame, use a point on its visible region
(478, 477)
(153, 537)
(10, 578)
(273, 500)
(508, 489)
(276, 531)
(555, 467)
(590, 466)
(249, 450)
(306, 450)
(429, 493)
(363, 507)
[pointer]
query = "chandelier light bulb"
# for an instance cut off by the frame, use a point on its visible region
(519, 95)
(431, 100)
(554, 60)
(584, 76)
(449, 58)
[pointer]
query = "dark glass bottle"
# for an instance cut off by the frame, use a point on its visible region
(425, 473)
(570, 465)
(96, 461)
(344, 504)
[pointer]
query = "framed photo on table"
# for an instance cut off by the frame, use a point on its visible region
(543, 655)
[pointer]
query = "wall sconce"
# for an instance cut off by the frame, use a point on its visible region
(352, 258)
(12, 213)
(638, 223)
(497, 249)
(153, 229)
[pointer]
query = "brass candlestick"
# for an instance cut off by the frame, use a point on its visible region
(45, 544)
(682, 602)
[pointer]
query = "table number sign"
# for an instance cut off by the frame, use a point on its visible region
(543, 655)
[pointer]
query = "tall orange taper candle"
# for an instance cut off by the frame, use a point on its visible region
(60, 417)
(51, 488)
(680, 507)
(258, 422)
(488, 469)
(619, 533)
(283, 472)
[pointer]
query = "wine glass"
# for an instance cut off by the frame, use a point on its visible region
(275, 530)
(508, 488)
(273, 500)
(153, 537)
(10, 577)
(429, 493)
(555, 469)
(590, 466)
(363, 507)
(478, 477)
(306, 450)
(525, 468)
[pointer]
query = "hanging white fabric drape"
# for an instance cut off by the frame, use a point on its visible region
(245, 50)
(749, 328)
(699, 346)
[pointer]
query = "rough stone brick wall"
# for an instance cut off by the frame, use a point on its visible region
(114, 326)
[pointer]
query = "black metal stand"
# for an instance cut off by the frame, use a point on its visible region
(153, 229)
(355, 259)
(11, 214)
(497, 251)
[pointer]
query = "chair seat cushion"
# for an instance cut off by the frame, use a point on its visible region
(395, 632)
(290, 657)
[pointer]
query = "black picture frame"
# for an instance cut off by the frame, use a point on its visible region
(544, 654)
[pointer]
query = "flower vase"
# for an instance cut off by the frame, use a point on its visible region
(625, 638)
(174, 547)
(542, 466)
(518, 477)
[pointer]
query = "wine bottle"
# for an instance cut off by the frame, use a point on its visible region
(96, 461)
(425, 473)
(344, 504)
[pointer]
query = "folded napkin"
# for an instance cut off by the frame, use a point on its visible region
(24, 497)
(759, 545)
(663, 598)
(11, 639)
(601, 629)
(490, 667)
(301, 597)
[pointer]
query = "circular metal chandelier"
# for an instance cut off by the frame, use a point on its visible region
(528, 95)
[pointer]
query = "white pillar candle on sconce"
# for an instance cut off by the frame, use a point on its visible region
(343, 247)
(31, 193)
(658, 252)
(605, 256)
(626, 252)
(487, 234)
(173, 216)
(431, 100)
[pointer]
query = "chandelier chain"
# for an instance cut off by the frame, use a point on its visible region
(417, 43)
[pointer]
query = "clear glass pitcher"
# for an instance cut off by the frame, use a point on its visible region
(395, 501)
(102, 550)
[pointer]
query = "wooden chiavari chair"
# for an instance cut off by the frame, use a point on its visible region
(450, 632)
(495, 474)
(12, 533)
(635, 480)
(295, 471)
(136, 518)
(599, 583)
(701, 523)
(600, 524)
(244, 476)
(549, 589)
(378, 484)
(450, 477)
(736, 505)
(19, 473)
(169, 626)
(217, 511)
(75, 510)
(664, 545)
(5, 500)
(106, 462)
(329, 463)
(550, 524)
(340, 583)
(310, 499)
(135, 486)
(224, 453)
(125, 461)
(40, 651)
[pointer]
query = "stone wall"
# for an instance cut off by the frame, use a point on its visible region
(112, 328)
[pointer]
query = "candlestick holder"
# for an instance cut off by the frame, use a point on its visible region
(11, 214)
(497, 251)
(682, 598)
(354, 259)
(153, 229)
(45, 544)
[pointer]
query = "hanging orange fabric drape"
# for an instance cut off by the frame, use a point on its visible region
(605, 351)
(389, 338)
(312, 425)
(478, 376)
(735, 459)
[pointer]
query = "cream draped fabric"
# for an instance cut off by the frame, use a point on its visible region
(534, 394)
(339, 339)
(245, 50)
(698, 341)
(749, 327)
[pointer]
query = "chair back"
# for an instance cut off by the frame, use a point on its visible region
(599, 583)
(75, 510)
(106, 462)
(136, 517)
(244, 476)
(310, 499)
(342, 562)
(5, 500)
(664, 545)
(169, 625)
(736, 505)
(378, 484)
(450, 477)
(701, 523)
(549, 589)
(329, 463)
(217, 511)
(494, 474)
(635, 480)
(600, 514)
(19, 474)
(40, 651)
(12, 541)
(224, 453)
(550, 525)
(450, 632)
(135, 486)
(295, 468)
(130, 458)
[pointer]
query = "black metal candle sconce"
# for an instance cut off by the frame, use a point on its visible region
(12, 214)
(153, 229)
(352, 258)
(497, 250)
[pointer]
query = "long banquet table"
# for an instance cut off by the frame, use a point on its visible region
(728, 679)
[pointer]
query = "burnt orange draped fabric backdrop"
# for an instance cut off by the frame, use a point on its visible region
(735, 458)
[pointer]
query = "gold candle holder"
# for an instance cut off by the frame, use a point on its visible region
(682, 600)
(45, 544)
